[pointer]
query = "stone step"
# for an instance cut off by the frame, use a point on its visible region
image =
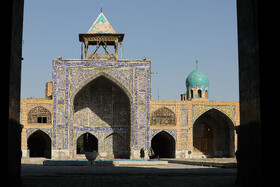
(34, 160)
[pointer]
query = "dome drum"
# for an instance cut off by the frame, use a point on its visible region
(197, 92)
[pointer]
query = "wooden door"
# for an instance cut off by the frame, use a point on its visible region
(203, 145)
(203, 139)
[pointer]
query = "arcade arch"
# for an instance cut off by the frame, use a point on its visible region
(39, 144)
(87, 143)
(163, 145)
(213, 134)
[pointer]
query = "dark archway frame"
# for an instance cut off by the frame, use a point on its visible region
(229, 126)
(158, 143)
(44, 148)
(88, 81)
(89, 143)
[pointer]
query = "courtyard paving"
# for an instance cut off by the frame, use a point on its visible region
(213, 162)
(171, 175)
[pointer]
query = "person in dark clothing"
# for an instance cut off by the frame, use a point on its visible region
(151, 153)
(142, 153)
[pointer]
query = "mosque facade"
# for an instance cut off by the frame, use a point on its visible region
(103, 103)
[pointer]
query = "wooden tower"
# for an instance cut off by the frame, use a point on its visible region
(100, 34)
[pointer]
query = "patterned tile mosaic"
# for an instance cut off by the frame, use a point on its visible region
(69, 77)
(228, 110)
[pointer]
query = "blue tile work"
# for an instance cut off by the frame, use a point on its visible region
(70, 76)
(99, 129)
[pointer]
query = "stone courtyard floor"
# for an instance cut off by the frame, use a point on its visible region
(213, 162)
(171, 175)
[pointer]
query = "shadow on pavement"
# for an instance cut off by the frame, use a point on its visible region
(170, 175)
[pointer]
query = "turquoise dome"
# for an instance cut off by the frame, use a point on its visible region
(197, 78)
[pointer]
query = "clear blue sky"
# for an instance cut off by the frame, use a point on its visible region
(172, 34)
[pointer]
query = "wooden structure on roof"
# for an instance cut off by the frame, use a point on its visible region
(101, 33)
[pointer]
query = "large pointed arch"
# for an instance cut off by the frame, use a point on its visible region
(96, 75)
(213, 134)
(103, 102)
(228, 110)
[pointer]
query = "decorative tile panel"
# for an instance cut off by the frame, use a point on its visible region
(184, 138)
(69, 77)
(171, 107)
(142, 83)
(172, 132)
(184, 115)
(228, 110)
(163, 116)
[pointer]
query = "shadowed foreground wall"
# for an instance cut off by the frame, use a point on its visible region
(15, 12)
(251, 102)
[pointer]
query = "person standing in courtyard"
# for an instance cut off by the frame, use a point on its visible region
(142, 153)
(151, 153)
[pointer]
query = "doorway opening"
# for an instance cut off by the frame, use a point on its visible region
(163, 145)
(87, 143)
(39, 145)
(213, 134)
(203, 139)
